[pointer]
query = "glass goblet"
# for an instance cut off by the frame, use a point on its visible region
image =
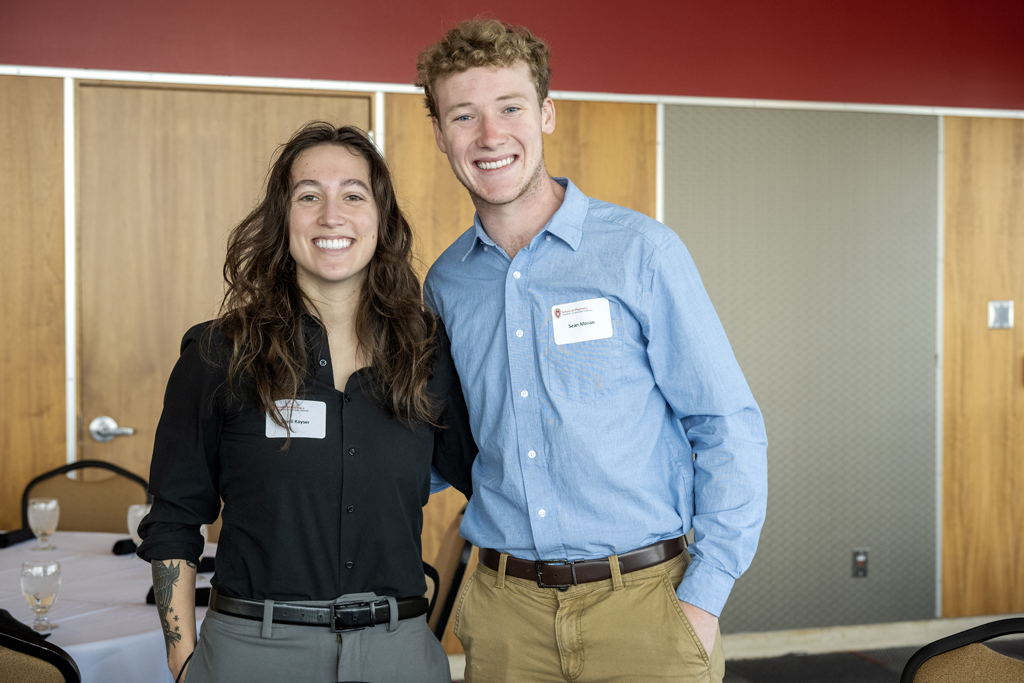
(135, 515)
(40, 582)
(43, 515)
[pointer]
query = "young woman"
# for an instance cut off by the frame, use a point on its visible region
(315, 408)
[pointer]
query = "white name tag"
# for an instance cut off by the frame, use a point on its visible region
(581, 321)
(306, 420)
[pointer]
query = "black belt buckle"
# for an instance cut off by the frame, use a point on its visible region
(540, 564)
(355, 616)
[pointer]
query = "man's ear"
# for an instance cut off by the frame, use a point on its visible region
(438, 135)
(547, 116)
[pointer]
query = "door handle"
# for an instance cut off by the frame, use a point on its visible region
(104, 429)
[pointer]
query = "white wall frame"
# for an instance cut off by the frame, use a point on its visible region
(940, 313)
(70, 274)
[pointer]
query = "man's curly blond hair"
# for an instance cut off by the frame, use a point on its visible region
(482, 42)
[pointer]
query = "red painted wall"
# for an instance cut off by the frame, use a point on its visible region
(967, 53)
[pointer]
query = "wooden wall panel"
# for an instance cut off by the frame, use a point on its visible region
(983, 469)
(607, 149)
(434, 201)
(164, 173)
(32, 422)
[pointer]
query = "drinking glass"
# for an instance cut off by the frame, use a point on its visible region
(40, 581)
(43, 514)
(135, 515)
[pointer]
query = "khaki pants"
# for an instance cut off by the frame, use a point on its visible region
(629, 628)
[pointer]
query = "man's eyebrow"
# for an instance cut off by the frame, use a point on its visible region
(452, 108)
(316, 183)
(510, 96)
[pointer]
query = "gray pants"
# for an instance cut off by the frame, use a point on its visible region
(236, 650)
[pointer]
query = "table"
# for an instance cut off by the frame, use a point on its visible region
(105, 624)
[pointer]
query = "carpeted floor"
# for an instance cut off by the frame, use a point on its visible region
(873, 666)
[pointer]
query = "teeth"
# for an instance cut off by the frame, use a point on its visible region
(491, 165)
(339, 243)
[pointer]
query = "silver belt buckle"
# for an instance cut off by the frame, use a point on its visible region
(338, 616)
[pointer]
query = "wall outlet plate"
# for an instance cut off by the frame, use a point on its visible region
(1000, 315)
(860, 563)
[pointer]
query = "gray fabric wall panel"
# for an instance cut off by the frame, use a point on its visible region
(815, 234)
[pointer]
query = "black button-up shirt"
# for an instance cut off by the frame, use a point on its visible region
(326, 516)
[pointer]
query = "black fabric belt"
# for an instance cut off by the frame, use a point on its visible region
(348, 616)
(562, 573)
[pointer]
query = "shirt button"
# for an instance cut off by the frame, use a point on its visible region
(548, 238)
(349, 564)
(323, 363)
(524, 393)
(532, 454)
(351, 508)
(485, 247)
(519, 333)
(516, 275)
(542, 513)
(348, 398)
(352, 451)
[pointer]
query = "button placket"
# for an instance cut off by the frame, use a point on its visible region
(521, 332)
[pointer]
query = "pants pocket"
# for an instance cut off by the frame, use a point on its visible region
(689, 631)
(460, 607)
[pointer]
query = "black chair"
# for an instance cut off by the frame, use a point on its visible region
(452, 561)
(26, 658)
(89, 505)
(962, 658)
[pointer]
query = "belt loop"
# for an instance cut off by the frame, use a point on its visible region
(393, 606)
(613, 564)
(499, 582)
(268, 619)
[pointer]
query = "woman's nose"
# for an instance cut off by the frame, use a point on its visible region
(333, 212)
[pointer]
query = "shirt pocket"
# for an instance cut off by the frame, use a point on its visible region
(583, 371)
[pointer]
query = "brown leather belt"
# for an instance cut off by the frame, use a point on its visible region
(561, 574)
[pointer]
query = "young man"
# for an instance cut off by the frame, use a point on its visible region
(610, 412)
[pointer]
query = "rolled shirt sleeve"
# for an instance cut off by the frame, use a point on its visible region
(183, 472)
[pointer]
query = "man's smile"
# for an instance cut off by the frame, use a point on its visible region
(492, 165)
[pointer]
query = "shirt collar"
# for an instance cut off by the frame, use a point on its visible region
(566, 224)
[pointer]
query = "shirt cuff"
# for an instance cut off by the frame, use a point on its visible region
(705, 586)
(172, 546)
(437, 482)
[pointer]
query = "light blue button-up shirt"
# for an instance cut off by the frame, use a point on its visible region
(603, 446)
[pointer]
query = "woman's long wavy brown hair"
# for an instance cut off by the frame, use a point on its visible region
(261, 314)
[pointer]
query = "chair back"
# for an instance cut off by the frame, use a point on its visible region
(28, 659)
(453, 562)
(89, 505)
(961, 658)
(974, 662)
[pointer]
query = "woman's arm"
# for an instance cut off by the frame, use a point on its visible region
(174, 585)
(454, 448)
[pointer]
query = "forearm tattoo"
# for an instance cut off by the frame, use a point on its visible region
(165, 578)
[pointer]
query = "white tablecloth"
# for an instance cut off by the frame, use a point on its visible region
(105, 624)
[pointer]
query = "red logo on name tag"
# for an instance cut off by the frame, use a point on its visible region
(558, 312)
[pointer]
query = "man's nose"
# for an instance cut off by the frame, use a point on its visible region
(492, 132)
